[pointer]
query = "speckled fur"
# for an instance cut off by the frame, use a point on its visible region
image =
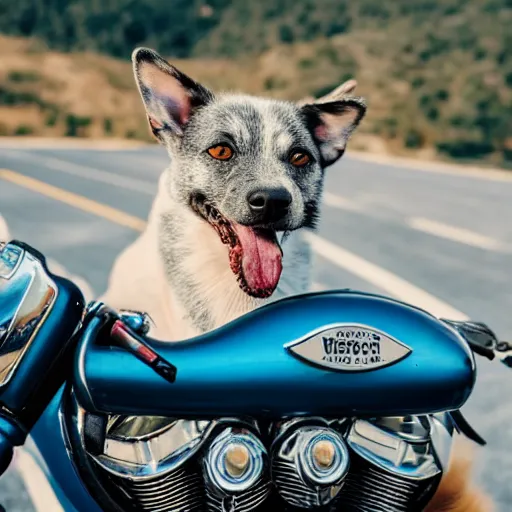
(192, 267)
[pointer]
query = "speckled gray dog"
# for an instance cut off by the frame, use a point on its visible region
(245, 179)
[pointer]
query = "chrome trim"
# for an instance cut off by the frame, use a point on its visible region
(164, 445)
(348, 347)
(313, 473)
(9, 267)
(27, 295)
(137, 321)
(280, 429)
(299, 479)
(441, 436)
(220, 479)
(401, 446)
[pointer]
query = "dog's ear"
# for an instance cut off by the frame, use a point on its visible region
(170, 97)
(342, 90)
(345, 89)
(332, 122)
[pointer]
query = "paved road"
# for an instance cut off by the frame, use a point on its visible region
(442, 240)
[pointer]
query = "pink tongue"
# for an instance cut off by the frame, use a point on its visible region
(261, 258)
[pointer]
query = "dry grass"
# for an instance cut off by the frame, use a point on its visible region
(91, 95)
(101, 88)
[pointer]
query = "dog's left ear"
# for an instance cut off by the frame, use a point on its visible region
(170, 97)
(332, 120)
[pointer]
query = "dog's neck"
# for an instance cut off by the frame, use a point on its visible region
(196, 265)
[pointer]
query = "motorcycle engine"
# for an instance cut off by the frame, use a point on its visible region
(154, 464)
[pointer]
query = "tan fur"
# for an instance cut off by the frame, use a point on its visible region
(4, 231)
(456, 492)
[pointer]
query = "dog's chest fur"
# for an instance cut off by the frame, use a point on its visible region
(178, 271)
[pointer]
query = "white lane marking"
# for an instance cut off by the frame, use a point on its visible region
(454, 233)
(431, 227)
(411, 164)
(383, 279)
(318, 287)
(90, 173)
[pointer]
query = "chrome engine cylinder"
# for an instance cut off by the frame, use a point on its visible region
(235, 469)
(350, 465)
(397, 463)
(153, 460)
(309, 465)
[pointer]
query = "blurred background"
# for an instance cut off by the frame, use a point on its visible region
(437, 73)
(420, 208)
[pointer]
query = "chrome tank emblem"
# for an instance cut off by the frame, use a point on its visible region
(349, 347)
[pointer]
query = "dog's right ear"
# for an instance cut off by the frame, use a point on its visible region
(345, 89)
(170, 97)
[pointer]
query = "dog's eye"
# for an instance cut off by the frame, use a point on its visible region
(220, 152)
(300, 159)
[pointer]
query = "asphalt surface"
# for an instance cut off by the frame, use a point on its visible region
(444, 233)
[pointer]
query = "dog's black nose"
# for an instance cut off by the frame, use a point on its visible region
(270, 204)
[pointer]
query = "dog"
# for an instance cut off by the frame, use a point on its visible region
(224, 234)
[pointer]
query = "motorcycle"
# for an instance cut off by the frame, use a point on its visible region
(337, 400)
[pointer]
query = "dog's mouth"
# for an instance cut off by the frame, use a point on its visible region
(255, 256)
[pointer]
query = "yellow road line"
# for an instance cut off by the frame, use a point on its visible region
(74, 200)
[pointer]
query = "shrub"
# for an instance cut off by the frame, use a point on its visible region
(108, 126)
(286, 34)
(508, 78)
(480, 53)
(321, 91)
(413, 139)
(425, 101)
(465, 148)
(23, 129)
(432, 113)
(272, 83)
(306, 63)
(417, 82)
(11, 98)
(328, 52)
(24, 76)
(75, 125)
(442, 94)
(52, 117)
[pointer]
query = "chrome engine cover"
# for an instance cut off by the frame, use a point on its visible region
(230, 465)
